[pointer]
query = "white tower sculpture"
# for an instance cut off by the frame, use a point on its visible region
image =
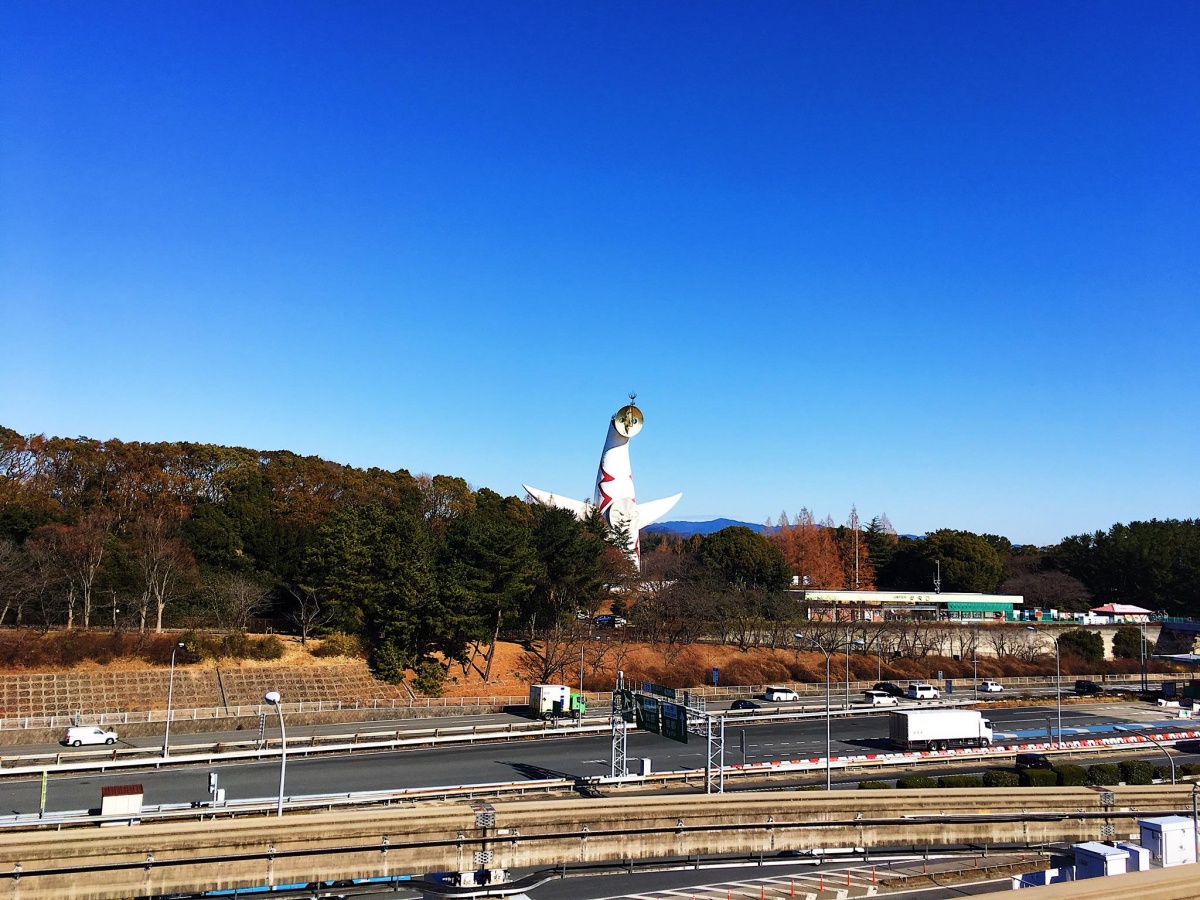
(614, 495)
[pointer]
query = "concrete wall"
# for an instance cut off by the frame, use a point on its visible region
(155, 859)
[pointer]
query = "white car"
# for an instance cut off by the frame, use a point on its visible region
(780, 695)
(78, 736)
(921, 691)
(879, 698)
(991, 687)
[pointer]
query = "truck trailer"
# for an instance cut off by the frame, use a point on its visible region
(939, 729)
(547, 701)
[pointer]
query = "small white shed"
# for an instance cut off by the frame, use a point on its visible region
(1171, 840)
(1095, 860)
(121, 800)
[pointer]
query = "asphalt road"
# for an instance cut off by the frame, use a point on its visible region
(508, 762)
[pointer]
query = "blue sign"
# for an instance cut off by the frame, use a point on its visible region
(716, 675)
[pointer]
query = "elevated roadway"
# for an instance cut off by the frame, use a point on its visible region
(154, 860)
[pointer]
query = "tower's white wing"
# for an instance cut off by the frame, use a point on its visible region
(652, 511)
(579, 507)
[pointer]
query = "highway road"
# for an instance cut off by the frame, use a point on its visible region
(508, 762)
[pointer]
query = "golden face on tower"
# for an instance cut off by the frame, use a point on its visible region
(628, 421)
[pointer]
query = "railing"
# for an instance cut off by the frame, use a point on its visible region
(597, 700)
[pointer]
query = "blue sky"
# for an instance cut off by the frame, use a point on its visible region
(939, 260)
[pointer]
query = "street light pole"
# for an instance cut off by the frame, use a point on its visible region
(170, 693)
(847, 667)
(1057, 688)
(828, 715)
(1058, 691)
(274, 699)
(1145, 687)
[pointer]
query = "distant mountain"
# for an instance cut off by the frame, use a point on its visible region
(687, 529)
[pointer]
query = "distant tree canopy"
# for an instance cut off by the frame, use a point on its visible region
(419, 567)
(426, 570)
(1155, 564)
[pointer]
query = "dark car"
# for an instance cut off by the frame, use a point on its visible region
(1033, 761)
(1082, 686)
(743, 704)
(887, 687)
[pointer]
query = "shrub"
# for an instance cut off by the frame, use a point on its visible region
(268, 648)
(1070, 775)
(1136, 771)
(1000, 778)
(338, 644)
(236, 645)
(1190, 770)
(1038, 777)
(1087, 645)
(1162, 773)
(960, 781)
(874, 786)
(431, 678)
(917, 782)
(192, 650)
(1104, 774)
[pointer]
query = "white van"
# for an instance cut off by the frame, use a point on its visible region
(89, 734)
(921, 691)
(780, 695)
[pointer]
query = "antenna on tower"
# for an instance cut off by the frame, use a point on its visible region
(632, 396)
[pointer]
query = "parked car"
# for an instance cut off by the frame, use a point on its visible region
(1033, 761)
(743, 704)
(879, 698)
(888, 688)
(991, 687)
(921, 691)
(1083, 686)
(78, 736)
(780, 695)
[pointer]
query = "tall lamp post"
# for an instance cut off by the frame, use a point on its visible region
(828, 741)
(1057, 687)
(273, 699)
(170, 694)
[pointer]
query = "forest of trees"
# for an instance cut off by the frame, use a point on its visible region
(426, 569)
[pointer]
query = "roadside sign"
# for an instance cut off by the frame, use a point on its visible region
(645, 712)
(716, 675)
(674, 722)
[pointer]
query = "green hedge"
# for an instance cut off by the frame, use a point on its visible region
(1000, 778)
(874, 786)
(1162, 773)
(1136, 771)
(1104, 774)
(1070, 775)
(916, 781)
(1038, 777)
(960, 781)
(1191, 770)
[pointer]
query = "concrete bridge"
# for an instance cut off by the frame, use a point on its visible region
(148, 860)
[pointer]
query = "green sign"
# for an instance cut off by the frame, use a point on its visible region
(658, 690)
(674, 721)
(645, 713)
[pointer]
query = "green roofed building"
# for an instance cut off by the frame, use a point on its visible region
(876, 606)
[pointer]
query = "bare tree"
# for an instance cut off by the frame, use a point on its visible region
(82, 549)
(547, 656)
(307, 614)
(233, 601)
(161, 561)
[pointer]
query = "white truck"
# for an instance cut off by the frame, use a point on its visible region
(939, 729)
(548, 701)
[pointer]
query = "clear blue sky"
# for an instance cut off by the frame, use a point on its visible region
(939, 260)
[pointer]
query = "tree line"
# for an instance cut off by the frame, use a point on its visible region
(427, 570)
